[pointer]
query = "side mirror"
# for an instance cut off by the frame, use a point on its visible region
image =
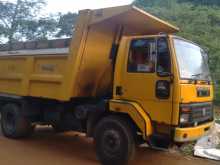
(206, 57)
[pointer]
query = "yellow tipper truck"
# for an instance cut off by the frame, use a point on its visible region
(123, 79)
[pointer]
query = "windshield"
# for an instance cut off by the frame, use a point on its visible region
(192, 60)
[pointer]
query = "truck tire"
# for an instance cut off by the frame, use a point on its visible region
(59, 128)
(114, 141)
(13, 123)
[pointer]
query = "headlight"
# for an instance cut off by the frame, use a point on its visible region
(184, 118)
(185, 114)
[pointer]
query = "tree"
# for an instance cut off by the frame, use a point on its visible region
(203, 2)
(40, 29)
(21, 21)
(66, 24)
(18, 20)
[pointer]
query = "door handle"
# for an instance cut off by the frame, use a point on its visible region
(119, 90)
(163, 89)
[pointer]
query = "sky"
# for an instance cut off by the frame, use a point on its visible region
(75, 5)
(64, 6)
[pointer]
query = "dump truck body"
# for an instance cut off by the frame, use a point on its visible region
(85, 68)
(123, 78)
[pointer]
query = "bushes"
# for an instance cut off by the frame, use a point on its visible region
(217, 95)
(217, 88)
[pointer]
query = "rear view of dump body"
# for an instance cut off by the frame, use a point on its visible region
(84, 68)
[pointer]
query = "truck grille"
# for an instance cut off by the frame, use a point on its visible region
(201, 112)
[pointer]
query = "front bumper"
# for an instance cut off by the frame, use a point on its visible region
(192, 133)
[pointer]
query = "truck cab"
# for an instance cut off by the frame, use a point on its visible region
(168, 78)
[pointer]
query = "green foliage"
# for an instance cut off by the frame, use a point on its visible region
(66, 24)
(217, 115)
(187, 149)
(39, 29)
(14, 15)
(20, 20)
(217, 94)
(202, 2)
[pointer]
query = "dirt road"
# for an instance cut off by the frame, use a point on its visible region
(47, 148)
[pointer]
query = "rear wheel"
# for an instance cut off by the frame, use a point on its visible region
(13, 123)
(114, 141)
(59, 128)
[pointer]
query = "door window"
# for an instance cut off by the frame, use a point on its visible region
(163, 56)
(142, 56)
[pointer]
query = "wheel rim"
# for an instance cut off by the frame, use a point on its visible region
(10, 121)
(111, 143)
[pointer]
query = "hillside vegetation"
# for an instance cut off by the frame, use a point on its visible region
(199, 20)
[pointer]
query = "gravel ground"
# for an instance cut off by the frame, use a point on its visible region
(46, 148)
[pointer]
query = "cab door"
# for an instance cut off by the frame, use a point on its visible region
(146, 77)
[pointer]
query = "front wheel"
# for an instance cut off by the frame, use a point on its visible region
(114, 141)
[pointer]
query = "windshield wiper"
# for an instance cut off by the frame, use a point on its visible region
(199, 74)
(196, 75)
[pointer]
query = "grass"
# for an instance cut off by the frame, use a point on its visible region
(187, 149)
